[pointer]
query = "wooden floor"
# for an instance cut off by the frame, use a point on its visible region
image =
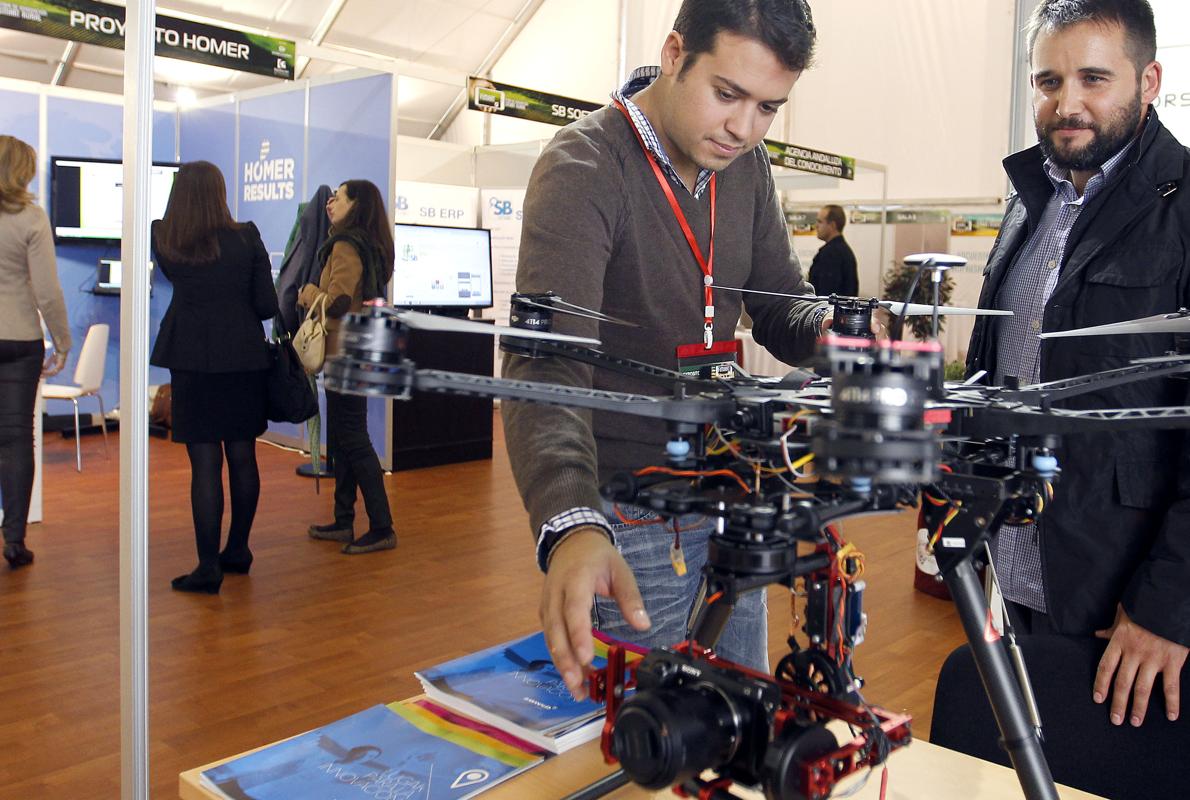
(311, 635)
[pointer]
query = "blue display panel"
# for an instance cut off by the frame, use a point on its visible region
(165, 136)
(95, 130)
(18, 117)
(269, 170)
(209, 134)
(361, 151)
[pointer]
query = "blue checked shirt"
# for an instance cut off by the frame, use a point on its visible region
(1025, 292)
(639, 80)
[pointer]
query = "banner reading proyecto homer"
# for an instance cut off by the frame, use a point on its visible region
(102, 24)
(269, 169)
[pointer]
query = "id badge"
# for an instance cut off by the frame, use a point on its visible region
(715, 363)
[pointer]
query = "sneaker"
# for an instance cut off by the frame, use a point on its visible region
(331, 533)
(371, 541)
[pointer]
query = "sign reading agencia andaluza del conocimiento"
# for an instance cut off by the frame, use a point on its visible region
(102, 24)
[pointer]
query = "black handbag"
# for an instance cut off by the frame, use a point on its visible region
(291, 391)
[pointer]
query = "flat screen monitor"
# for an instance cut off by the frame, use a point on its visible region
(110, 276)
(87, 198)
(439, 267)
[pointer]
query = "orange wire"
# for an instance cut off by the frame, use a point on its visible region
(689, 473)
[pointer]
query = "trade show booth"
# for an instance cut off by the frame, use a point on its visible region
(903, 121)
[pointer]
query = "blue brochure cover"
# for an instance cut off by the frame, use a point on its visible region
(515, 687)
(393, 752)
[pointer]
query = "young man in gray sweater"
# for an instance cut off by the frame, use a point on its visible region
(635, 210)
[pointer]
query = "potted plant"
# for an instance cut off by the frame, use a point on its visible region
(896, 286)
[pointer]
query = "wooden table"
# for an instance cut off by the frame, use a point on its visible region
(921, 771)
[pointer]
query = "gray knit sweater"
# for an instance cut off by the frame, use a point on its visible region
(599, 232)
(29, 279)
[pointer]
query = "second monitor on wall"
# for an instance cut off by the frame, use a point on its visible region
(87, 198)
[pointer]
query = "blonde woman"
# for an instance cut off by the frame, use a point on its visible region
(28, 285)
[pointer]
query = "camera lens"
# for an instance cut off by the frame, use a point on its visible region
(787, 757)
(668, 736)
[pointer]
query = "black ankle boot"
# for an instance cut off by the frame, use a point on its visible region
(237, 563)
(202, 580)
(17, 555)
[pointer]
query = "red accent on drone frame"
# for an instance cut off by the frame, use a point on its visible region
(820, 775)
(937, 416)
(990, 634)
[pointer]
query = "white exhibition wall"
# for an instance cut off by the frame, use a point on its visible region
(921, 86)
(1173, 51)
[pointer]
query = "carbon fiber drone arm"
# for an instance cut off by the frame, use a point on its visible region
(1043, 395)
(697, 410)
(598, 358)
(1024, 420)
(399, 381)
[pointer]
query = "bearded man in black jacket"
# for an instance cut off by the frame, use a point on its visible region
(1096, 232)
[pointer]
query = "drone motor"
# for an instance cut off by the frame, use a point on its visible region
(879, 396)
(853, 317)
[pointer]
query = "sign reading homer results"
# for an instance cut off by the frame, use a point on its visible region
(103, 24)
(268, 178)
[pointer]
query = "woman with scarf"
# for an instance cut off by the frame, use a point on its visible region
(357, 263)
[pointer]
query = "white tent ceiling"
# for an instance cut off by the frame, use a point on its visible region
(432, 44)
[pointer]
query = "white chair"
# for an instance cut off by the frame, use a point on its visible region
(88, 377)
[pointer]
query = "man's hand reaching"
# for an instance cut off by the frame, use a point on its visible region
(581, 566)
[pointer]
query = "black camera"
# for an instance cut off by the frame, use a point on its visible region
(689, 715)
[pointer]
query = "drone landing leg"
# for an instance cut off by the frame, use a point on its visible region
(999, 681)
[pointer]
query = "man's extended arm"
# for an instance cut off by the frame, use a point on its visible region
(786, 328)
(1152, 627)
(572, 210)
(572, 214)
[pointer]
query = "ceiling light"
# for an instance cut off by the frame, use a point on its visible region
(185, 96)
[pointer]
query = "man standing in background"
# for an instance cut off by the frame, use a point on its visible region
(833, 270)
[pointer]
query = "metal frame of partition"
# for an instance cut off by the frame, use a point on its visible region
(134, 405)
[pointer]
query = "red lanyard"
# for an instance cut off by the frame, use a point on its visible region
(707, 265)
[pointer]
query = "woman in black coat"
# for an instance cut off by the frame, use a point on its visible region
(212, 341)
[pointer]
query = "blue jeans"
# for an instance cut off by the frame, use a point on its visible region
(669, 599)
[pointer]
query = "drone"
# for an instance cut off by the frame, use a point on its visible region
(883, 432)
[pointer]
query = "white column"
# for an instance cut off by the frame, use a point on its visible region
(134, 403)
